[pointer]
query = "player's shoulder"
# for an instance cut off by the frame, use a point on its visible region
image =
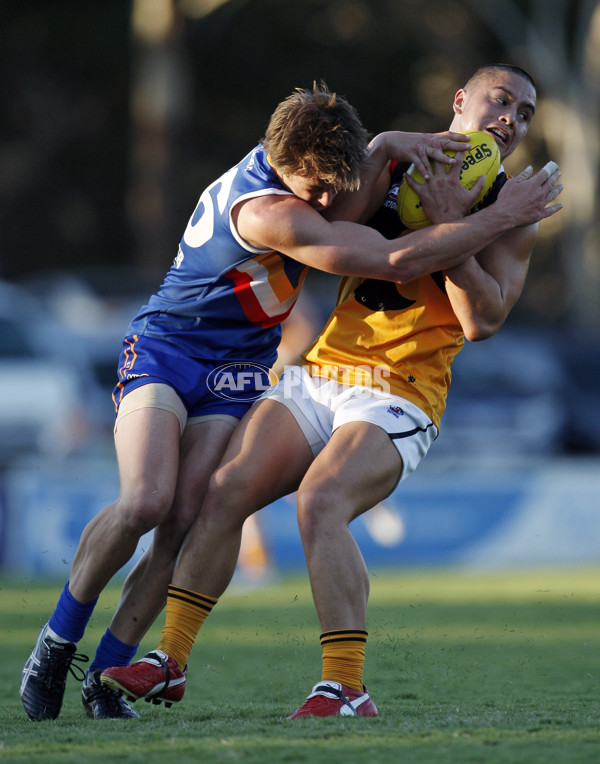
(270, 203)
(275, 220)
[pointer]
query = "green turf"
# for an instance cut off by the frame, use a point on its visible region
(464, 668)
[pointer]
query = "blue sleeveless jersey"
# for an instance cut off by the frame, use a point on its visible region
(223, 300)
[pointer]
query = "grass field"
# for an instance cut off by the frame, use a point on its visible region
(464, 668)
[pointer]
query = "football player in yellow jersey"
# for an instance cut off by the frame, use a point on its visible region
(345, 428)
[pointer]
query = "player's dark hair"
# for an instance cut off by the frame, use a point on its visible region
(317, 133)
(483, 71)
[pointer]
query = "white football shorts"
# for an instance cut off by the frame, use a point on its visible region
(321, 405)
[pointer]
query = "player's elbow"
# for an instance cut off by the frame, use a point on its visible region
(477, 335)
(478, 330)
(400, 271)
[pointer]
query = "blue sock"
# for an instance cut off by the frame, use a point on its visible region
(112, 652)
(71, 617)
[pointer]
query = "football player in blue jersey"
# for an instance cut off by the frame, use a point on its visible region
(198, 354)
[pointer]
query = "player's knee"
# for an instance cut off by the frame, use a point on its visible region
(169, 534)
(143, 510)
(315, 509)
(225, 497)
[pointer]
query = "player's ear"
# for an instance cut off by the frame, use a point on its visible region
(459, 101)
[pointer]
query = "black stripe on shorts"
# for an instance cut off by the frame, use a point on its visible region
(408, 433)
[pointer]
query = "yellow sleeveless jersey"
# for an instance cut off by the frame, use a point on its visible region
(398, 338)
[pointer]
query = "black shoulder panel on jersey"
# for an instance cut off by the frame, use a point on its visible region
(375, 294)
(492, 194)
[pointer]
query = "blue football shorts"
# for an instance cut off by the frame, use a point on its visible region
(203, 387)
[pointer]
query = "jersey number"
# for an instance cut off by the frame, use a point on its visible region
(202, 223)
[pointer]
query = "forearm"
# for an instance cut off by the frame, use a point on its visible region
(354, 250)
(446, 245)
(358, 206)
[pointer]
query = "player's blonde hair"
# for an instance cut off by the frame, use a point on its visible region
(317, 133)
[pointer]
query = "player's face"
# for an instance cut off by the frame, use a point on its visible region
(310, 189)
(502, 104)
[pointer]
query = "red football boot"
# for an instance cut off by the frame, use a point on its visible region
(155, 677)
(335, 699)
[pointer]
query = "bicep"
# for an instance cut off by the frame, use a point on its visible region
(507, 262)
(290, 226)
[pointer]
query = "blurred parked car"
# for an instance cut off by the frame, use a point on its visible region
(94, 306)
(507, 398)
(46, 392)
(580, 356)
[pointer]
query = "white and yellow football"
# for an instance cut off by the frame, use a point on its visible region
(483, 158)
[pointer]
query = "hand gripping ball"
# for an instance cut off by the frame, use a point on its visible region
(483, 158)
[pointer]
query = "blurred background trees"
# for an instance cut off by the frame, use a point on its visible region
(116, 114)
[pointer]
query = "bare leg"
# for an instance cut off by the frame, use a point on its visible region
(266, 458)
(357, 469)
(145, 589)
(147, 444)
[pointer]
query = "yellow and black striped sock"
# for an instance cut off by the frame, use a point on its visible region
(186, 612)
(344, 657)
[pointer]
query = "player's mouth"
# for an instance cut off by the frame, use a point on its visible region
(502, 136)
